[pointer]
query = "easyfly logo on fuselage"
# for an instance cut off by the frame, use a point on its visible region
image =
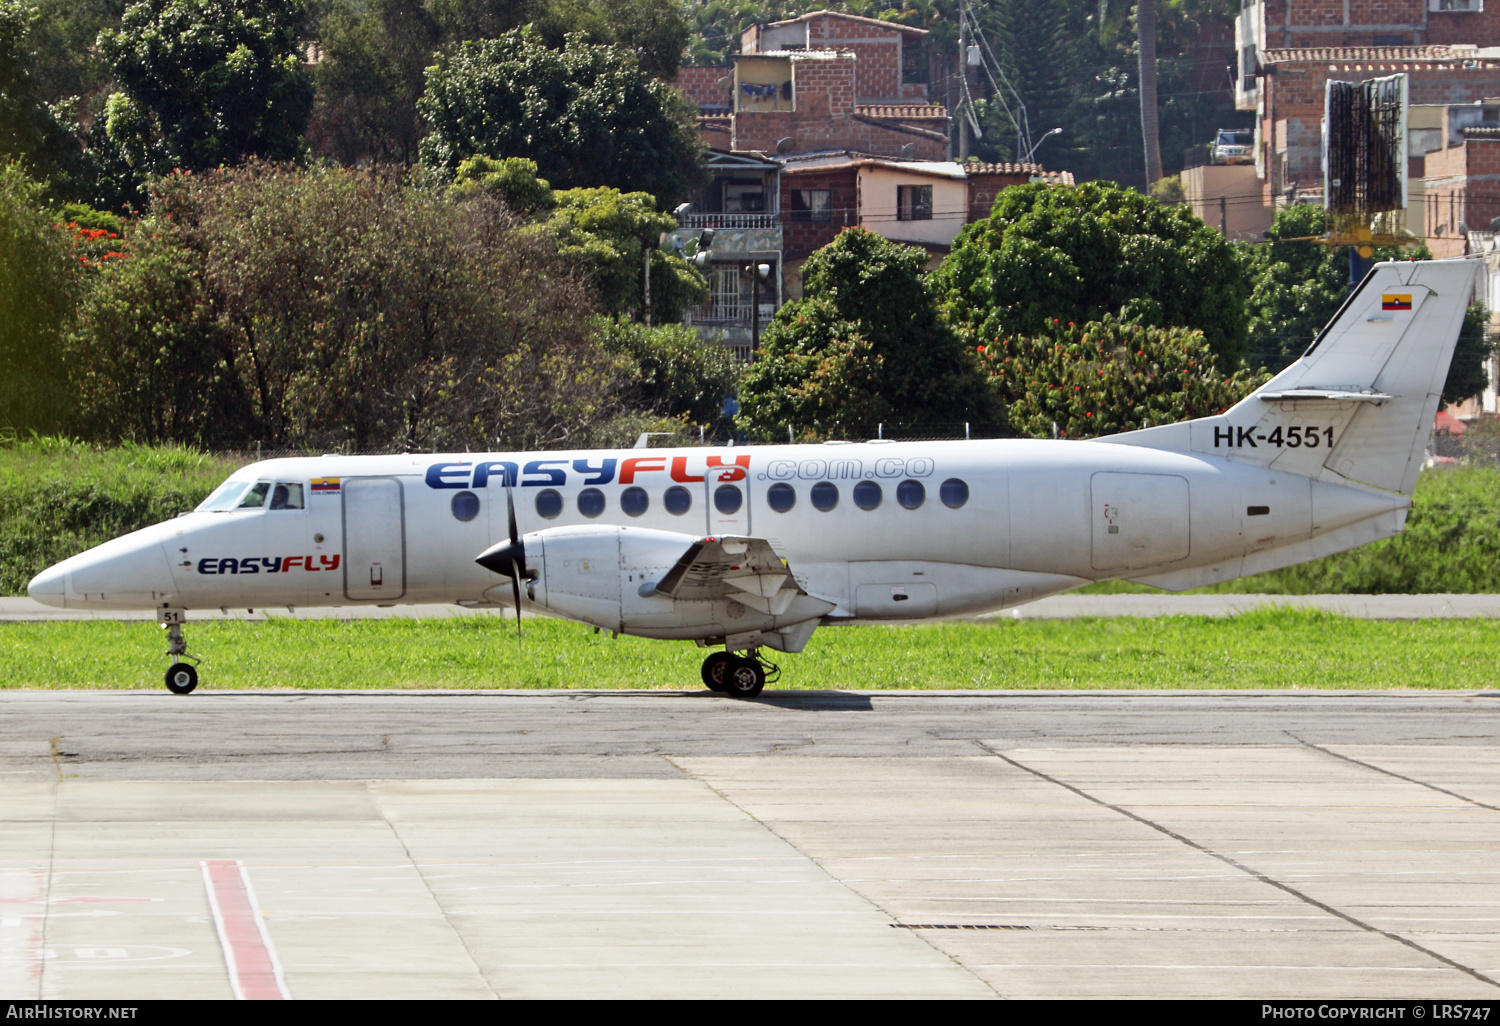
(561, 473)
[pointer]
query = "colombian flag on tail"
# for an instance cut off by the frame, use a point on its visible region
(1395, 301)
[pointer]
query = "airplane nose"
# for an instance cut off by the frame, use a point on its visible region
(50, 587)
(128, 573)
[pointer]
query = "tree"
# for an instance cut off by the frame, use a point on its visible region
(587, 115)
(1108, 376)
(1078, 253)
(674, 371)
(864, 346)
(605, 233)
(608, 234)
(655, 31)
(372, 72)
(33, 131)
(329, 306)
(40, 280)
(207, 82)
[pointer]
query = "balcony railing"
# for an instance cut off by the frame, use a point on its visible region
(728, 221)
(731, 313)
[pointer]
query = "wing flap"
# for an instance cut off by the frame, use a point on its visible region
(744, 569)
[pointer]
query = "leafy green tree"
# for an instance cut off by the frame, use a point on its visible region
(608, 233)
(328, 306)
(587, 115)
(513, 181)
(656, 31)
(39, 134)
(1108, 376)
(1297, 285)
(207, 82)
(605, 233)
(1467, 374)
(864, 346)
(674, 371)
(1078, 253)
(375, 55)
(40, 280)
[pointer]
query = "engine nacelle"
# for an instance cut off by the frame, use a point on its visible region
(607, 576)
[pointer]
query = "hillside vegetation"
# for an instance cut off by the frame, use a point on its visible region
(59, 497)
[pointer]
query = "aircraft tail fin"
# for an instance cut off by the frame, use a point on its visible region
(1359, 404)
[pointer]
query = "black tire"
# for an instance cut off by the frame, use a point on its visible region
(181, 678)
(714, 668)
(744, 678)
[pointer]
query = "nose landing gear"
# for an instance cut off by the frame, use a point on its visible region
(182, 675)
(739, 676)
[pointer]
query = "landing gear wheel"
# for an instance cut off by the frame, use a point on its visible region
(744, 678)
(181, 678)
(714, 669)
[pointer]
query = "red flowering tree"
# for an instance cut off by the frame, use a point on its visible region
(1106, 376)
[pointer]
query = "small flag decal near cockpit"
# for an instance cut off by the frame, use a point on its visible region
(325, 485)
(1388, 301)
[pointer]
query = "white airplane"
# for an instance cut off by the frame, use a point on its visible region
(745, 549)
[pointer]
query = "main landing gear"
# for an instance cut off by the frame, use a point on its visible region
(739, 676)
(182, 675)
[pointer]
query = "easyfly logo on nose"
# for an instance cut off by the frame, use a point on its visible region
(560, 473)
(265, 564)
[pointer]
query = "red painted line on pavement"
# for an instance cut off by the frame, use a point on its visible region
(254, 972)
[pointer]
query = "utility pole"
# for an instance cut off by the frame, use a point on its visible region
(963, 83)
(1224, 216)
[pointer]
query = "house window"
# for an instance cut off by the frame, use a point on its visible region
(812, 205)
(914, 203)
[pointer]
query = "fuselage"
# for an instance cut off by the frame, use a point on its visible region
(876, 531)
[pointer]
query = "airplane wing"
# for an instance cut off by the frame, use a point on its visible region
(744, 569)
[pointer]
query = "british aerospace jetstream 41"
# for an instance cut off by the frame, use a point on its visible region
(745, 549)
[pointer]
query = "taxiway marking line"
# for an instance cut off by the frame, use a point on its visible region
(254, 972)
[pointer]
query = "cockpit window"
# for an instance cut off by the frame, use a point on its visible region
(226, 496)
(255, 498)
(287, 495)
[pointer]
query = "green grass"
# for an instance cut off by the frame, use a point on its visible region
(59, 497)
(1269, 648)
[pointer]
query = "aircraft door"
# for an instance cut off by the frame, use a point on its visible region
(727, 495)
(1138, 520)
(374, 539)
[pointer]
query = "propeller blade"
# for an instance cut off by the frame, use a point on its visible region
(515, 587)
(510, 504)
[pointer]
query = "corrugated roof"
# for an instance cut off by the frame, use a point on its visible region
(1007, 168)
(901, 110)
(1366, 54)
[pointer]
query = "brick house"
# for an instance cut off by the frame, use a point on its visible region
(821, 81)
(822, 123)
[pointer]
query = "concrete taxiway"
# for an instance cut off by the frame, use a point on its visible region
(680, 844)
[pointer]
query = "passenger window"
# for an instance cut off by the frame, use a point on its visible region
(287, 495)
(824, 495)
(256, 497)
(728, 499)
(781, 497)
(678, 500)
(954, 493)
(911, 494)
(549, 504)
(634, 501)
(867, 495)
(465, 506)
(591, 502)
